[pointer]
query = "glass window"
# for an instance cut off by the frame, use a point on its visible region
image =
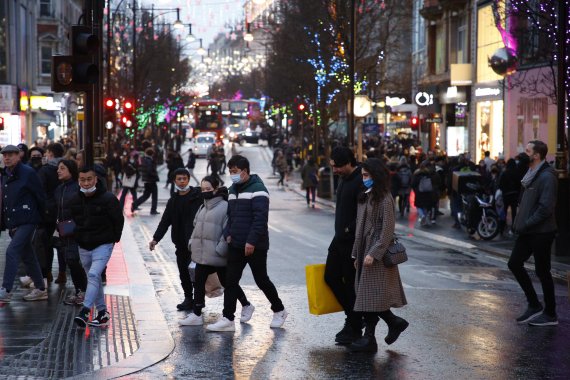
(205, 139)
(3, 47)
(462, 41)
(488, 41)
(46, 60)
(439, 49)
(45, 8)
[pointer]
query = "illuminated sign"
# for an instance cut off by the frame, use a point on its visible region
(424, 99)
(487, 91)
(394, 101)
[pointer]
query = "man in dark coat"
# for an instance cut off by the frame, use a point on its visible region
(179, 216)
(23, 202)
(99, 224)
(149, 176)
(339, 270)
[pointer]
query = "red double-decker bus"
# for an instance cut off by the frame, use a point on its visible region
(208, 117)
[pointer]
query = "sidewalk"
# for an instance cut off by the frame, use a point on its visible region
(442, 232)
(40, 340)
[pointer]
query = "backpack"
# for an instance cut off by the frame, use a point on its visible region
(425, 185)
(405, 177)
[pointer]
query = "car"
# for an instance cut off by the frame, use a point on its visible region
(248, 136)
(201, 142)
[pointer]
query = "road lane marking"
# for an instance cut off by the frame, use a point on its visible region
(274, 228)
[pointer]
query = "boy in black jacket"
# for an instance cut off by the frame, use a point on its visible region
(99, 224)
(179, 214)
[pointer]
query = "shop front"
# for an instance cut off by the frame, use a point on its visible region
(14, 121)
(530, 116)
(489, 126)
(429, 113)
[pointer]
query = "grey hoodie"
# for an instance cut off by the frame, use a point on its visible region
(536, 213)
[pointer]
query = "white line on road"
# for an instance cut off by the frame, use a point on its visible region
(274, 228)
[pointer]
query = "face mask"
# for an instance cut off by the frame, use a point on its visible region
(36, 161)
(179, 189)
(208, 194)
(368, 182)
(88, 191)
(236, 178)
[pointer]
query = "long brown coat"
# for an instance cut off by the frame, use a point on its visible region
(378, 288)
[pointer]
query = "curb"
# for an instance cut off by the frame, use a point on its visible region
(156, 342)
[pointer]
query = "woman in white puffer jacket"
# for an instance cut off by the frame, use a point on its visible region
(209, 249)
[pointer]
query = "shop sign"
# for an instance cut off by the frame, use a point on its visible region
(394, 101)
(8, 99)
(438, 120)
(424, 99)
(44, 103)
(461, 74)
(487, 92)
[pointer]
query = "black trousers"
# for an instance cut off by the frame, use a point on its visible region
(150, 188)
(310, 194)
(71, 251)
(537, 245)
(339, 276)
(258, 264)
(200, 277)
(183, 259)
(124, 192)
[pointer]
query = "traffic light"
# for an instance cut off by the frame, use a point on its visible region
(128, 110)
(1, 123)
(414, 122)
(110, 112)
(79, 71)
(301, 107)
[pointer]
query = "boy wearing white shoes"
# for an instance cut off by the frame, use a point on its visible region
(247, 235)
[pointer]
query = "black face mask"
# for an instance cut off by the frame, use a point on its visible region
(36, 162)
(208, 194)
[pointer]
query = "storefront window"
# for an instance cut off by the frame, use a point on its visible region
(489, 129)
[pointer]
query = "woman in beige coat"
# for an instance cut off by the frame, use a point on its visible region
(378, 288)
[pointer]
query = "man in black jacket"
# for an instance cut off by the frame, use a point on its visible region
(339, 270)
(535, 225)
(149, 176)
(179, 215)
(99, 224)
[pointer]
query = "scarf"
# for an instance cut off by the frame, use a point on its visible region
(530, 174)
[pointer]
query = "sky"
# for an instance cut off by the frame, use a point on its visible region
(208, 17)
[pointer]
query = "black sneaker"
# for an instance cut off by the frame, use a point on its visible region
(102, 319)
(530, 313)
(82, 318)
(154, 212)
(187, 304)
(348, 334)
(543, 320)
(346, 328)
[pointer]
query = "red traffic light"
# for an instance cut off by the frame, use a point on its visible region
(1, 123)
(414, 121)
(109, 103)
(301, 107)
(124, 119)
(128, 105)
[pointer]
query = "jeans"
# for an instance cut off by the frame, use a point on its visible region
(202, 273)
(258, 264)
(183, 259)
(94, 262)
(310, 191)
(539, 246)
(150, 188)
(339, 276)
(21, 247)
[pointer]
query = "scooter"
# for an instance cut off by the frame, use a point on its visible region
(478, 213)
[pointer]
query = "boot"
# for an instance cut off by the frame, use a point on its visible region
(396, 326)
(367, 343)
(351, 331)
(61, 278)
(186, 305)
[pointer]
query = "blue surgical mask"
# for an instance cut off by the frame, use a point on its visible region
(236, 178)
(368, 182)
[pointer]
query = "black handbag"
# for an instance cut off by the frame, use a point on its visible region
(66, 228)
(396, 254)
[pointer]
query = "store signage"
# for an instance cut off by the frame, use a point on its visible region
(434, 119)
(461, 74)
(394, 101)
(424, 99)
(487, 91)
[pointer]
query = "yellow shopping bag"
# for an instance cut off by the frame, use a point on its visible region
(321, 298)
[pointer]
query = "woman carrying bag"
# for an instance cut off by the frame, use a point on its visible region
(67, 173)
(209, 249)
(378, 288)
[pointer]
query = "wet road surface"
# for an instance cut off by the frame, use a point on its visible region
(461, 312)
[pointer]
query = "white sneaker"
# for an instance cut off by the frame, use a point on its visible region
(246, 313)
(36, 295)
(26, 281)
(278, 319)
(5, 296)
(223, 324)
(192, 320)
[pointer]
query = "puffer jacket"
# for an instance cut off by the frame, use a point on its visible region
(207, 243)
(248, 214)
(537, 205)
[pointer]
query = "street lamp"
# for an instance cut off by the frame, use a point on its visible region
(201, 50)
(190, 37)
(248, 37)
(178, 24)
